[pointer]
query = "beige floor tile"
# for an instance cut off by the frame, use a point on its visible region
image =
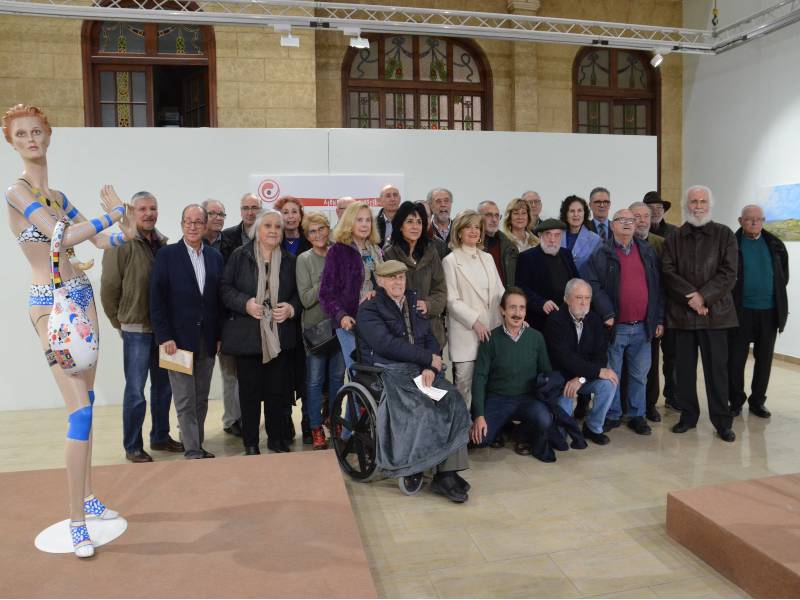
(707, 586)
(404, 552)
(416, 585)
(637, 593)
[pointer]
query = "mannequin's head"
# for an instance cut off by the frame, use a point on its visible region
(27, 129)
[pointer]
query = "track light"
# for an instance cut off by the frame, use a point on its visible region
(359, 42)
(290, 41)
(658, 56)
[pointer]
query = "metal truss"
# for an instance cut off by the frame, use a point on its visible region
(354, 19)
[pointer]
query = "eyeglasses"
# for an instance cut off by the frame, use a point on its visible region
(753, 220)
(192, 224)
(492, 215)
(602, 202)
(213, 213)
(625, 220)
(251, 208)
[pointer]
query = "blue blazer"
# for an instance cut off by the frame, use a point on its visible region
(586, 243)
(178, 311)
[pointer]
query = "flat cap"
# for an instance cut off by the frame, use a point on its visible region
(389, 268)
(549, 224)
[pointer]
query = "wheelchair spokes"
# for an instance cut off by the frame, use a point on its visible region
(353, 432)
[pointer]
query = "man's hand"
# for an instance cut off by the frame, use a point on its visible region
(478, 431)
(481, 330)
(427, 377)
(422, 307)
(572, 387)
(549, 307)
(609, 375)
(659, 330)
(696, 302)
(254, 309)
(609, 322)
(436, 362)
(347, 323)
(170, 347)
(282, 312)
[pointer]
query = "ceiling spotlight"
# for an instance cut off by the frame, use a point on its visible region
(658, 57)
(290, 41)
(359, 42)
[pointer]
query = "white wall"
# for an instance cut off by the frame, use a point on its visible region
(742, 126)
(181, 166)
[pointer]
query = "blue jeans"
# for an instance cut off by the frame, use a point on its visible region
(140, 356)
(316, 369)
(630, 342)
(603, 391)
(534, 415)
(347, 342)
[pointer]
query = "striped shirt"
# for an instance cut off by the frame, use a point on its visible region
(198, 264)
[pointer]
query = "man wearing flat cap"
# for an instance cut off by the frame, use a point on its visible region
(543, 273)
(658, 206)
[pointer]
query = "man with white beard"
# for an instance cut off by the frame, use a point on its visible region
(699, 269)
(543, 273)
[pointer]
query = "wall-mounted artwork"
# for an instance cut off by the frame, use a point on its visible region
(782, 211)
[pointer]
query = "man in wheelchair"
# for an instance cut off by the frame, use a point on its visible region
(414, 431)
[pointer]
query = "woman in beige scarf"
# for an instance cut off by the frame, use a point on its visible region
(260, 290)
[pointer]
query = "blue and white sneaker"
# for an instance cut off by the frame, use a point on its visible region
(94, 509)
(81, 542)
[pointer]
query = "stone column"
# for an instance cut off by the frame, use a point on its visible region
(524, 93)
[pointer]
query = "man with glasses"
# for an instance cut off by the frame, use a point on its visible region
(185, 310)
(504, 252)
(626, 292)
(762, 307)
(600, 203)
(216, 221)
(535, 202)
(235, 236)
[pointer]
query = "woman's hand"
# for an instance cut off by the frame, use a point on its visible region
(109, 200)
(422, 307)
(347, 323)
(368, 296)
(481, 330)
(282, 312)
(478, 431)
(254, 309)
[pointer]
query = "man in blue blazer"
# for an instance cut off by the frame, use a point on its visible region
(186, 314)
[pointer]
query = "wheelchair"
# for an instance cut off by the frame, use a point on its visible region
(354, 418)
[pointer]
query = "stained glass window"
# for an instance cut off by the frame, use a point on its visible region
(420, 82)
(180, 39)
(121, 38)
(123, 98)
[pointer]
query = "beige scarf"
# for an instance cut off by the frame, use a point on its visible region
(270, 342)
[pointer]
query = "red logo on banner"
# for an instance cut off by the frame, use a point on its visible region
(269, 190)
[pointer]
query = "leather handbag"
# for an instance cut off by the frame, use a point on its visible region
(320, 339)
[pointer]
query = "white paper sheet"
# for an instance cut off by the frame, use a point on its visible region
(432, 392)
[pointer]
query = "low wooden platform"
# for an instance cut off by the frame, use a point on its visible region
(749, 531)
(278, 525)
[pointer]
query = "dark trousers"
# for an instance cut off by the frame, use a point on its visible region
(267, 383)
(761, 328)
(667, 345)
(713, 344)
(534, 416)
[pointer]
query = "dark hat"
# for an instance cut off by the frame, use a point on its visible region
(654, 198)
(549, 224)
(390, 267)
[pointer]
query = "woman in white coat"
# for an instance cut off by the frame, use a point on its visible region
(474, 290)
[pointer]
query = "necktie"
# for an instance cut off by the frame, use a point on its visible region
(602, 231)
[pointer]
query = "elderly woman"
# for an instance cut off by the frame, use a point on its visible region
(412, 246)
(516, 224)
(579, 240)
(474, 290)
(327, 365)
(260, 291)
(349, 274)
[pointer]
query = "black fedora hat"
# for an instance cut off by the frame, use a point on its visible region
(654, 198)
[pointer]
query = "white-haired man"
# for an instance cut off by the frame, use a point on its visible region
(699, 269)
(440, 202)
(534, 200)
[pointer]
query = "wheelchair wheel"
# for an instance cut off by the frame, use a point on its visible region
(353, 432)
(411, 485)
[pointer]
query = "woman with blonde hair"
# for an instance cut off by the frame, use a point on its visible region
(516, 224)
(474, 291)
(348, 277)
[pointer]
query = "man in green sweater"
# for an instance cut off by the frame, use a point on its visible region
(505, 377)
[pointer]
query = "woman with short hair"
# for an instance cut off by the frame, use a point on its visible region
(516, 224)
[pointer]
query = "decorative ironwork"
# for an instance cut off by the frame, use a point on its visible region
(631, 72)
(463, 70)
(365, 64)
(433, 60)
(398, 60)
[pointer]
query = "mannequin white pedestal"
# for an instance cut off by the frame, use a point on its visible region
(57, 539)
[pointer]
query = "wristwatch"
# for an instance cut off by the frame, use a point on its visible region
(581, 380)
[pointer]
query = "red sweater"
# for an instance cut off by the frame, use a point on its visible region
(632, 286)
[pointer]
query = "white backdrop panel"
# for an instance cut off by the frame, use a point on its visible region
(184, 165)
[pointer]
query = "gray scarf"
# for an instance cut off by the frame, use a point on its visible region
(270, 342)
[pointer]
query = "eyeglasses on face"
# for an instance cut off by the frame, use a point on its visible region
(192, 224)
(214, 213)
(625, 220)
(250, 208)
(602, 202)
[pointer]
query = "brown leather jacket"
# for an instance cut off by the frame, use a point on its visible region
(703, 259)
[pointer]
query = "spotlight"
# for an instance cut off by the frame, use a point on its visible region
(290, 41)
(658, 56)
(359, 42)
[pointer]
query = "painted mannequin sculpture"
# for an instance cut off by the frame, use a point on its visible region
(46, 225)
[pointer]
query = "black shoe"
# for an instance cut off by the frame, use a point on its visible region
(760, 411)
(611, 424)
(462, 482)
(207, 454)
(251, 450)
(600, 439)
(578, 444)
(234, 429)
(138, 456)
(306, 429)
(726, 434)
(548, 457)
(681, 427)
(447, 485)
(274, 447)
(285, 446)
(653, 415)
(736, 411)
(640, 426)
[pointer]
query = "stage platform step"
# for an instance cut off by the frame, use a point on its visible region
(277, 525)
(748, 530)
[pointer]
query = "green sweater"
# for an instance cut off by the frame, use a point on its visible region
(758, 289)
(506, 367)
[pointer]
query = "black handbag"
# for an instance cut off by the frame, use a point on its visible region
(320, 339)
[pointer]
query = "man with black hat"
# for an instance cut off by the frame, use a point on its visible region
(543, 272)
(658, 207)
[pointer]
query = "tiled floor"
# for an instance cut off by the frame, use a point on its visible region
(592, 524)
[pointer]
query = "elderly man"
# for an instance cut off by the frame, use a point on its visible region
(578, 348)
(505, 379)
(658, 206)
(699, 270)
(543, 273)
(341, 204)
(216, 221)
(642, 212)
(233, 237)
(504, 252)
(626, 292)
(440, 202)
(535, 202)
(389, 199)
(416, 432)
(600, 203)
(123, 293)
(186, 309)
(762, 307)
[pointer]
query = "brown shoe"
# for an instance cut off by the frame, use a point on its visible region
(169, 446)
(138, 456)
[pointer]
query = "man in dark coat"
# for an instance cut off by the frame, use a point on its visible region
(543, 273)
(658, 206)
(762, 307)
(699, 268)
(235, 236)
(389, 198)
